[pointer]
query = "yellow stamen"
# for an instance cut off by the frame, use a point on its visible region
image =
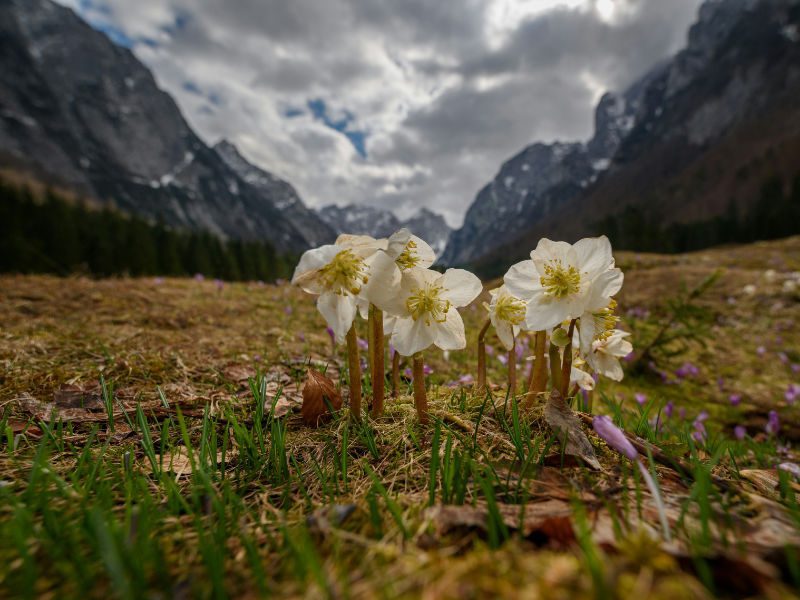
(511, 309)
(559, 281)
(345, 273)
(409, 258)
(605, 321)
(426, 303)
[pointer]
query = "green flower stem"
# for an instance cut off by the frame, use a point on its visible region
(566, 366)
(512, 370)
(420, 395)
(354, 367)
(395, 374)
(555, 367)
(378, 363)
(538, 380)
(481, 384)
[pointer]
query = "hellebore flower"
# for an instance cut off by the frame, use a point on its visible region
(606, 352)
(425, 306)
(561, 281)
(336, 274)
(506, 312)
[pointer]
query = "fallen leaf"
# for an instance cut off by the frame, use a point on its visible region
(318, 392)
(564, 422)
(548, 520)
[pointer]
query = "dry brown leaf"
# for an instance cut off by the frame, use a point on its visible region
(564, 422)
(550, 518)
(318, 391)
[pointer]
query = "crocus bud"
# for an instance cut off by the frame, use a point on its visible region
(614, 437)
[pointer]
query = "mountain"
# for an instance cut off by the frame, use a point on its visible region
(378, 222)
(689, 146)
(431, 227)
(80, 112)
(282, 194)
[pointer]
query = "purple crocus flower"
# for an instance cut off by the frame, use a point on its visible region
(427, 369)
(702, 417)
(362, 344)
(288, 310)
(640, 398)
(407, 372)
(682, 412)
(199, 277)
(502, 358)
(740, 431)
(669, 408)
(792, 392)
(795, 368)
(466, 379)
(687, 369)
(735, 399)
(721, 383)
(489, 350)
(158, 280)
(220, 284)
(761, 350)
(790, 467)
(301, 337)
(614, 437)
(629, 356)
(783, 358)
(773, 423)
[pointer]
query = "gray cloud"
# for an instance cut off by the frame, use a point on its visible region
(443, 91)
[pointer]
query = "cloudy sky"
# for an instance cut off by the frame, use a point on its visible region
(397, 103)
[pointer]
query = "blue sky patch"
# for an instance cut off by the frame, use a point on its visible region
(357, 137)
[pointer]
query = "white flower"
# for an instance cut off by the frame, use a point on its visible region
(595, 325)
(369, 248)
(606, 352)
(506, 312)
(425, 305)
(562, 281)
(409, 251)
(583, 379)
(337, 274)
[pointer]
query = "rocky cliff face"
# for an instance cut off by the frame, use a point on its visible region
(709, 128)
(81, 112)
(532, 185)
(282, 195)
(377, 222)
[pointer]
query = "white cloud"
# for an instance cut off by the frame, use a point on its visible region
(443, 91)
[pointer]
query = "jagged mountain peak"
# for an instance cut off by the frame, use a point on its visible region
(380, 222)
(83, 113)
(283, 195)
(542, 177)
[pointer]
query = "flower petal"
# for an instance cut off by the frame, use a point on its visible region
(594, 255)
(548, 251)
(338, 310)
(602, 288)
(522, 280)
(383, 286)
(460, 287)
(505, 332)
(450, 334)
(543, 313)
(363, 245)
(305, 273)
(410, 336)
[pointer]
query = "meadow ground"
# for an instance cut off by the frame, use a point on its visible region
(152, 446)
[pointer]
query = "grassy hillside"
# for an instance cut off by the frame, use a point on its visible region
(186, 473)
